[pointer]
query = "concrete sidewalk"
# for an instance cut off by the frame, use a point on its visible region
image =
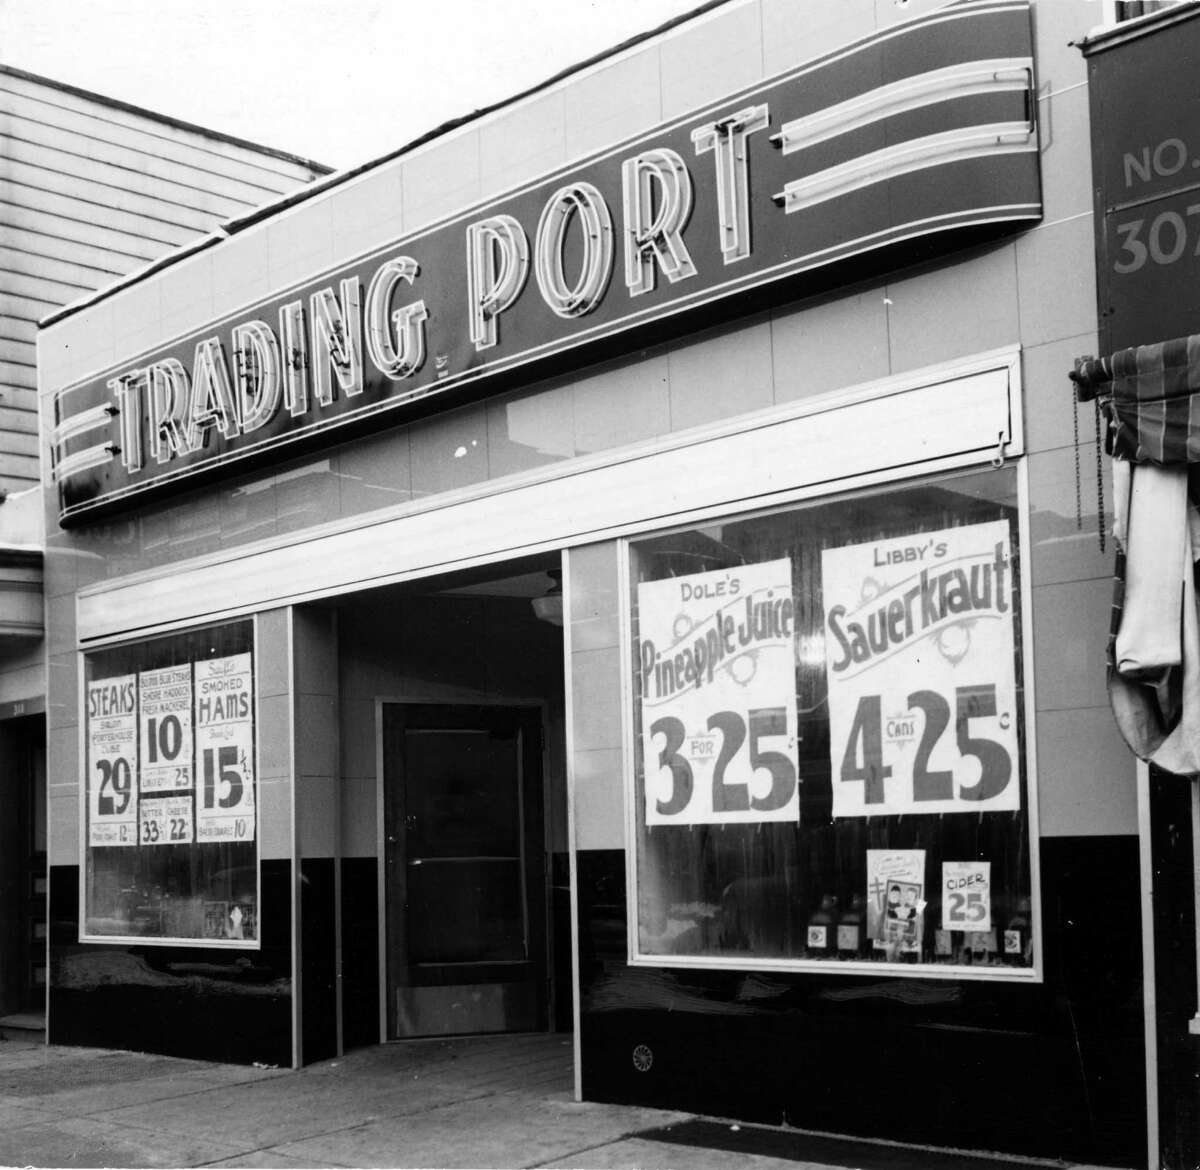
(473, 1102)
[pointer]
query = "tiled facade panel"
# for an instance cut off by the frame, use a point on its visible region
(314, 656)
(275, 731)
(594, 608)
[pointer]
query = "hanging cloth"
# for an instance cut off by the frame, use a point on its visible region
(1148, 398)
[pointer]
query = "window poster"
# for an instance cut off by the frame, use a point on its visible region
(718, 696)
(967, 895)
(919, 649)
(224, 693)
(896, 898)
(165, 722)
(112, 760)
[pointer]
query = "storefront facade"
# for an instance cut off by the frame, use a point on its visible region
(1147, 269)
(614, 566)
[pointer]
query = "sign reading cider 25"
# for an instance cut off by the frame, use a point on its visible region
(915, 133)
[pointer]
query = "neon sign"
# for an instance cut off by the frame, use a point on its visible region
(862, 156)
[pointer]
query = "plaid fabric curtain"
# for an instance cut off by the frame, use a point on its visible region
(1148, 394)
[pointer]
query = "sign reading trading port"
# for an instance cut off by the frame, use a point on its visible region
(871, 155)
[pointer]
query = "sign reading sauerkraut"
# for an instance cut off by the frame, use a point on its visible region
(919, 647)
(718, 696)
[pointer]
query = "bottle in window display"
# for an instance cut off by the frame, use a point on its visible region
(821, 926)
(850, 929)
(1016, 935)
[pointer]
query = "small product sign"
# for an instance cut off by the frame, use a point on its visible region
(225, 749)
(165, 719)
(112, 750)
(919, 648)
(896, 899)
(166, 820)
(967, 895)
(718, 685)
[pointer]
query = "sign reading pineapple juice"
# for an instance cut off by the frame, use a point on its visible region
(718, 696)
(112, 749)
(919, 647)
(225, 749)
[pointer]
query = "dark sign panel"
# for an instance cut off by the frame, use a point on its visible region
(1146, 166)
(916, 134)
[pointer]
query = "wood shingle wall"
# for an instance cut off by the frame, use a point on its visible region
(91, 190)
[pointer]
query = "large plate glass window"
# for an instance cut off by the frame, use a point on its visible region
(829, 746)
(170, 795)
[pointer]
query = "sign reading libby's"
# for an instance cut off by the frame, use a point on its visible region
(899, 146)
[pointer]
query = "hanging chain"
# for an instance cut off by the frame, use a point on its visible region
(1099, 476)
(1079, 490)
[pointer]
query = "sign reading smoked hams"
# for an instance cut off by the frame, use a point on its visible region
(225, 749)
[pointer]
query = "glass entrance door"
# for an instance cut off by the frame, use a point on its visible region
(465, 863)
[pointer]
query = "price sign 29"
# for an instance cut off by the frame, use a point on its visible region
(112, 750)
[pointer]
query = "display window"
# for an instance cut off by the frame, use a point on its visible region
(828, 736)
(169, 825)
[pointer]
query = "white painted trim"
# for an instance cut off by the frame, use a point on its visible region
(1149, 991)
(297, 952)
(572, 850)
(942, 416)
(1028, 682)
(380, 868)
(338, 794)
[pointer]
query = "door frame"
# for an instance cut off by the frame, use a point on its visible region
(453, 698)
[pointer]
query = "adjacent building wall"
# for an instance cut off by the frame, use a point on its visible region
(90, 190)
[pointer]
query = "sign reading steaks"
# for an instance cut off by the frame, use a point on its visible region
(915, 132)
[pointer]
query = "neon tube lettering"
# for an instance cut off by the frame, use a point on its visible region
(727, 140)
(581, 203)
(170, 393)
(654, 226)
(497, 268)
(397, 349)
(258, 374)
(337, 342)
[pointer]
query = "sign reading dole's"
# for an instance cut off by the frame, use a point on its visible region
(848, 158)
(718, 682)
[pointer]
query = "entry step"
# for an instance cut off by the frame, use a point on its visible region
(23, 1026)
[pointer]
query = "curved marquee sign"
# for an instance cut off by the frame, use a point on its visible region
(913, 133)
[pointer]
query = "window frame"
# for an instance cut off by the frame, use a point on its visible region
(99, 647)
(897, 477)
